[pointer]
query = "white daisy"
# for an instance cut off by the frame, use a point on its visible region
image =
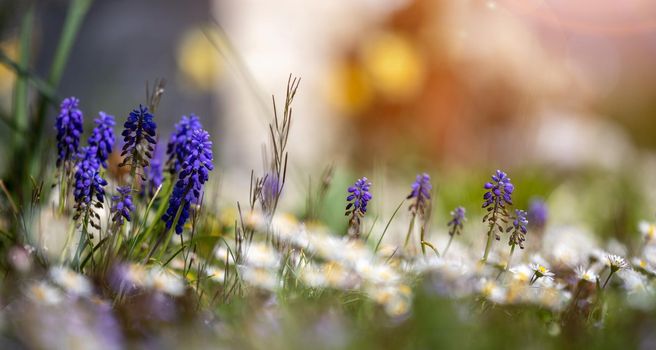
(540, 271)
(45, 293)
(262, 256)
(215, 274)
(165, 281)
(647, 230)
(261, 278)
(584, 274)
(616, 263)
(72, 282)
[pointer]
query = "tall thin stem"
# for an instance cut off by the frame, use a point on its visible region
(410, 229)
(448, 245)
(488, 245)
(512, 250)
(607, 279)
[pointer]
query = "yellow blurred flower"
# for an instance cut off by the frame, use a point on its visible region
(7, 76)
(395, 65)
(199, 61)
(348, 88)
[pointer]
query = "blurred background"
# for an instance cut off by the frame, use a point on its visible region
(398, 85)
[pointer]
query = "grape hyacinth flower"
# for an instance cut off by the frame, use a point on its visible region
(194, 172)
(102, 137)
(358, 198)
(139, 137)
(271, 189)
(122, 205)
(538, 213)
(421, 193)
(496, 198)
(69, 129)
(176, 149)
(88, 183)
(89, 188)
(518, 228)
(518, 235)
(154, 173)
(457, 220)
(499, 191)
(455, 225)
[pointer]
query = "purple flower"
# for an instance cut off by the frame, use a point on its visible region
(139, 137)
(102, 137)
(179, 141)
(88, 182)
(271, 189)
(421, 192)
(518, 228)
(499, 191)
(538, 212)
(122, 205)
(358, 197)
(497, 196)
(194, 172)
(69, 129)
(154, 173)
(457, 221)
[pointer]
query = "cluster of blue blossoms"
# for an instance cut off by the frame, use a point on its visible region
(421, 193)
(89, 184)
(176, 149)
(358, 198)
(457, 221)
(123, 205)
(69, 130)
(190, 158)
(139, 137)
(102, 137)
(193, 174)
(518, 229)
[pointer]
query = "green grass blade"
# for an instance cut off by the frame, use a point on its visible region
(76, 13)
(20, 103)
(387, 226)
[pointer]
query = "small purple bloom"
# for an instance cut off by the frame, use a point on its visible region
(499, 191)
(518, 227)
(69, 129)
(358, 197)
(122, 205)
(176, 149)
(538, 213)
(457, 220)
(421, 192)
(102, 137)
(498, 195)
(194, 172)
(88, 182)
(271, 189)
(154, 173)
(139, 137)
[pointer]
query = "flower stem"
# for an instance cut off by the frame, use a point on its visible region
(493, 221)
(488, 245)
(421, 239)
(410, 229)
(83, 241)
(607, 279)
(448, 245)
(512, 250)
